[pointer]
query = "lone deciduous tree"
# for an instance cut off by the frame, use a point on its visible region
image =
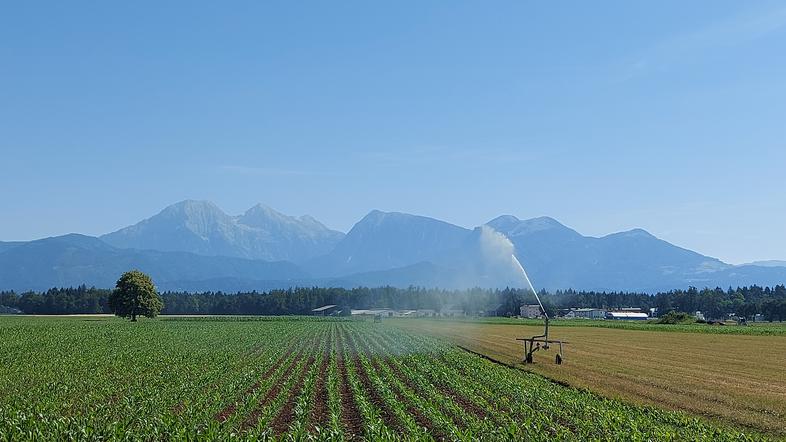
(135, 295)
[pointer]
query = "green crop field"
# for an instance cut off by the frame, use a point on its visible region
(291, 378)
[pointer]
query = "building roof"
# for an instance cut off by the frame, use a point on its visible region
(627, 314)
(323, 308)
(372, 311)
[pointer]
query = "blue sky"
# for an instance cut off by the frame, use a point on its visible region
(669, 115)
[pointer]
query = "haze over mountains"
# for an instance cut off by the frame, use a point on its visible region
(195, 246)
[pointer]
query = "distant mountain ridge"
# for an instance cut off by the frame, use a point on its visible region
(561, 257)
(769, 263)
(387, 240)
(202, 228)
(72, 260)
(195, 246)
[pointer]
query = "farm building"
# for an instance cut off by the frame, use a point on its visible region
(406, 313)
(627, 316)
(497, 310)
(586, 313)
(325, 310)
(530, 311)
(385, 312)
(9, 310)
(372, 312)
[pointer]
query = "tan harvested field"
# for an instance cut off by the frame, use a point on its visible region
(735, 379)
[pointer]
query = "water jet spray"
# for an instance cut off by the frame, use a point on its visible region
(499, 250)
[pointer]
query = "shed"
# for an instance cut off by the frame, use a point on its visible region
(627, 316)
(325, 310)
(586, 313)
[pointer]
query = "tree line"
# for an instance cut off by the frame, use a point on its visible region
(714, 303)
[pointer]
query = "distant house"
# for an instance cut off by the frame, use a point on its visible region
(586, 313)
(325, 310)
(627, 316)
(530, 311)
(497, 310)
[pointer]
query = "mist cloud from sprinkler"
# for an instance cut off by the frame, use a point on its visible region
(499, 250)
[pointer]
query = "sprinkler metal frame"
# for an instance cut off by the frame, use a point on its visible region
(533, 344)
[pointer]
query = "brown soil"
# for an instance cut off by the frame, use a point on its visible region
(351, 419)
(319, 413)
(287, 414)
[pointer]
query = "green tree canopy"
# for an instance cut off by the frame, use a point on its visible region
(135, 295)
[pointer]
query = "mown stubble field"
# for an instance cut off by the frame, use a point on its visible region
(736, 379)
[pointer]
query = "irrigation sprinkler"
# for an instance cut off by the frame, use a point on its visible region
(533, 344)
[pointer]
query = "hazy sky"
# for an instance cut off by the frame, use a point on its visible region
(669, 115)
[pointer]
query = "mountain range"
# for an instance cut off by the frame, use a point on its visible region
(195, 246)
(200, 227)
